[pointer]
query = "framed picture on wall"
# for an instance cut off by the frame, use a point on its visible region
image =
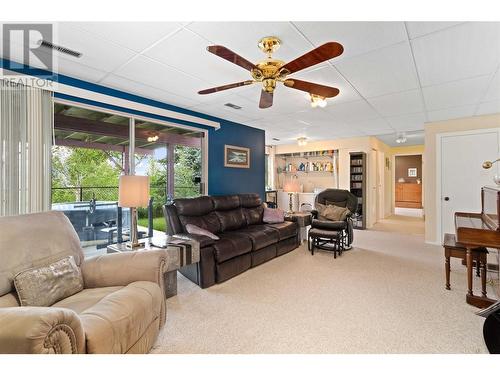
(412, 172)
(236, 157)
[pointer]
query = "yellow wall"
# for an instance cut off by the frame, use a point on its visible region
(431, 131)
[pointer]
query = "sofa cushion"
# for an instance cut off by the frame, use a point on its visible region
(253, 215)
(231, 220)
(250, 200)
(208, 222)
(260, 235)
(226, 202)
(230, 245)
(115, 318)
(194, 206)
(286, 229)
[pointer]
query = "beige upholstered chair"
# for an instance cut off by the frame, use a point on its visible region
(120, 310)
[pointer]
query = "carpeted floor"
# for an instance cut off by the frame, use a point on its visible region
(386, 295)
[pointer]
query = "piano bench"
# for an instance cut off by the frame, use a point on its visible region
(454, 250)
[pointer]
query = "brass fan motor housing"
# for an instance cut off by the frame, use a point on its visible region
(269, 70)
(269, 45)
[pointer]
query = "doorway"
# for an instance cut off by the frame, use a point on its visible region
(408, 200)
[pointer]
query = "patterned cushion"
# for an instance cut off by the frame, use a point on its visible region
(273, 215)
(44, 286)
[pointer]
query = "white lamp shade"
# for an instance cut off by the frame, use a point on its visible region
(133, 191)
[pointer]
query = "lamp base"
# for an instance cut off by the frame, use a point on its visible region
(132, 246)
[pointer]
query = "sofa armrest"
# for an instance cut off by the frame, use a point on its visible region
(40, 330)
(204, 241)
(119, 269)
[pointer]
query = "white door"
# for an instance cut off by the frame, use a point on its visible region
(462, 175)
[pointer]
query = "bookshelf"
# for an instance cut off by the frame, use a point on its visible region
(357, 185)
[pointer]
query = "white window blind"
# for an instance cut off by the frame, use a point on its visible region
(26, 129)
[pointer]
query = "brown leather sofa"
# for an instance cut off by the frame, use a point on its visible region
(120, 310)
(245, 240)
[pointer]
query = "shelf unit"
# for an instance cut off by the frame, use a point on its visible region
(316, 162)
(357, 183)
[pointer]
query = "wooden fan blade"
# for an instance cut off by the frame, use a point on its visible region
(312, 88)
(325, 52)
(231, 56)
(266, 99)
(225, 87)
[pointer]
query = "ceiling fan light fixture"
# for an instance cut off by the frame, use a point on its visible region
(302, 141)
(401, 138)
(318, 101)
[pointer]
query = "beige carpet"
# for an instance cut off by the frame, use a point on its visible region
(385, 296)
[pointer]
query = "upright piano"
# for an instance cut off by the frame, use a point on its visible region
(480, 230)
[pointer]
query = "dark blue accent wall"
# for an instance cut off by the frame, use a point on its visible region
(224, 180)
(221, 180)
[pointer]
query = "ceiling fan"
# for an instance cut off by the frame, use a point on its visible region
(270, 71)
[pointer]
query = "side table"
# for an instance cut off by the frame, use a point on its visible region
(181, 252)
(303, 219)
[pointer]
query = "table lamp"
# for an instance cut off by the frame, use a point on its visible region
(133, 192)
(291, 187)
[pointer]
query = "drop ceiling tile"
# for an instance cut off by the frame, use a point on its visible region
(410, 122)
(144, 70)
(243, 37)
(467, 50)
(487, 108)
(451, 113)
(146, 91)
(196, 60)
(493, 89)
(356, 37)
(248, 111)
(420, 28)
(96, 52)
(380, 72)
(351, 111)
(134, 35)
(398, 104)
(455, 94)
(373, 127)
(328, 76)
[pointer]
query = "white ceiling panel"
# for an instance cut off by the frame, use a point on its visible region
(419, 28)
(352, 111)
(451, 113)
(196, 60)
(134, 35)
(493, 92)
(467, 50)
(327, 75)
(152, 73)
(146, 91)
(411, 122)
(356, 37)
(96, 52)
(243, 37)
(487, 108)
(380, 72)
(373, 127)
(456, 93)
(399, 103)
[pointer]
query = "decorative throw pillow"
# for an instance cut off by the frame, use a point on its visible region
(193, 229)
(335, 213)
(46, 285)
(273, 215)
(339, 204)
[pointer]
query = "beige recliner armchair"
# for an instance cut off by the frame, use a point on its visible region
(120, 310)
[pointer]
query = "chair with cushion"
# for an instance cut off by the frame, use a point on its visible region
(343, 224)
(116, 302)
